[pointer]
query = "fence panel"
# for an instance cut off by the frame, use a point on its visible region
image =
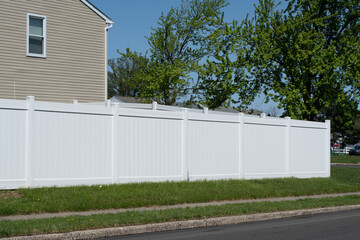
(264, 150)
(213, 147)
(71, 148)
(149, 146)
(308, 151)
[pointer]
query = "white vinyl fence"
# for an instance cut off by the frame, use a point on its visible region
(53, 144)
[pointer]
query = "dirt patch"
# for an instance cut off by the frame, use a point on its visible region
(10, 194)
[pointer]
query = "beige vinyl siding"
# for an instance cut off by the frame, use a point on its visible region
(74, 67)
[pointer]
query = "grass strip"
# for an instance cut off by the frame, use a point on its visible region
(345, 159)
(76, 223)
(83, 198)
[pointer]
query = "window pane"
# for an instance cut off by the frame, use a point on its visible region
(35, 45)
(36, 26)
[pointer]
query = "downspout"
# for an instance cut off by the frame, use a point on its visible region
(108, 26)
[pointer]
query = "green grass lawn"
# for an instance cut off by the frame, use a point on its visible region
(345, 159)
(41, 200)
(76, 223)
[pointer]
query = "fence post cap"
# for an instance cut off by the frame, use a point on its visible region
(328, 123)
(154, 104)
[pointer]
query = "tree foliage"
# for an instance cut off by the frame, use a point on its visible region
(305, 57)
(177, 45)
(345, 121)
(161, 82)
(123, 70)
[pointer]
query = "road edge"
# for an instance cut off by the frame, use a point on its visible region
(187, 224)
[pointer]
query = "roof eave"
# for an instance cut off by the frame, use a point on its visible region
(97, 11)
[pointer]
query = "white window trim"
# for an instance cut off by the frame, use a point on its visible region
(27, 36)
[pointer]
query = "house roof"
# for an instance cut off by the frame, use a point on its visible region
(122, 99)
(97, 11)
(252, 112)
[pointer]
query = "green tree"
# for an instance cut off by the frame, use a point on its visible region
(161, 82)
(352, 133)
(345, 121)
(177, 44)
(121, 78)
(305, 57)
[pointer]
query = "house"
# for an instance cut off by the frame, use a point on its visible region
(53, 50)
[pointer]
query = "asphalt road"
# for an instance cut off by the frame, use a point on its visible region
(340, 225)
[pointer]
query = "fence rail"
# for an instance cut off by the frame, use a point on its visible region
(47, 144)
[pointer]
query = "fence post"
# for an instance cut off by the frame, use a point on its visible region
(287, 147)
(30, 141)
(185, 163)
(328, 136)
(115, 142)
(241, 146)
(206, 110)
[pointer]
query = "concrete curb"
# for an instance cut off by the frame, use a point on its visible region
(178, 225)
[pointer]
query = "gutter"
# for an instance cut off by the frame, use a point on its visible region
(108, 26)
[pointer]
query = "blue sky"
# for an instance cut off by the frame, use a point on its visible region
(134, 19)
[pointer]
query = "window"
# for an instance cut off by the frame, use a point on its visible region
(36, 35)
